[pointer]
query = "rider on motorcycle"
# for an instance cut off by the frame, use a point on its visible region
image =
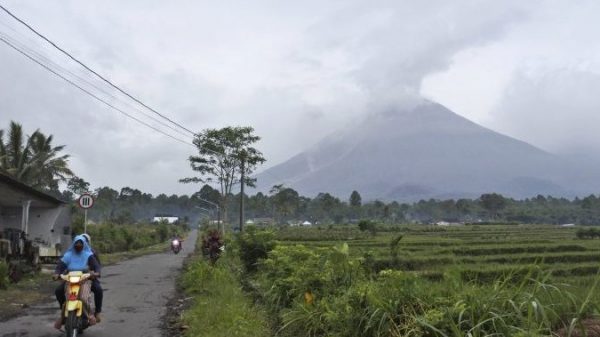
(178, 239)
(79, 257)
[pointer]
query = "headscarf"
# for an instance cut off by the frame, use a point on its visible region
(77, 261)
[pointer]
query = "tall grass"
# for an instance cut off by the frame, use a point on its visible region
(220, 306)
(346, 299)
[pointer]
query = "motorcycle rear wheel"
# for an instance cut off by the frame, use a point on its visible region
(72, 324)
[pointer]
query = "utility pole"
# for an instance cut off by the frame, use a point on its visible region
(242, 191)
(219, 220)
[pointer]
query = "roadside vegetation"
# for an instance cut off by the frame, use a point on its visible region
(111, 238)
(220, 306)
(456, 281)
(3, 275)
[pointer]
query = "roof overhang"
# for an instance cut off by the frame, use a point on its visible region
(13, 193)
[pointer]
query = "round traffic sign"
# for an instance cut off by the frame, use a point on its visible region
(86, 201)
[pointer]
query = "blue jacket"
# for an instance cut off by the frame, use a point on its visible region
(74, 261)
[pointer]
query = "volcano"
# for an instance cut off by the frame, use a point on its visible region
(425, 151)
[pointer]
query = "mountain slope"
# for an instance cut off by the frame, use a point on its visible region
(423, 152)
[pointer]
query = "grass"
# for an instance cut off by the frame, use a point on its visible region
(220, 308)
(33, 288)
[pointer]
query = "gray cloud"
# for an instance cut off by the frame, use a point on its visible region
(557, 109)
(295, 71)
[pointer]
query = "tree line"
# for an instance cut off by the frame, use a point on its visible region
(222, 154)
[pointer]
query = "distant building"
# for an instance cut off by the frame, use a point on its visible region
(306, 223)
(262, 221)
(568, 225)
(168, 219)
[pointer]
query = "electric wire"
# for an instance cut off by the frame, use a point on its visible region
(47, 61)
(53, 44)
(94, 72)
(5, 41)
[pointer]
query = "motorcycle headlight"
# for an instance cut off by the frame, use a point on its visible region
(175, 242)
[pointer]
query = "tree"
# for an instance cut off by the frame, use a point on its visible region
(34, 161)
(221, 153)
(355, 199)
(355, 202)
(493, 203)
(49, 168)
(207, 193)
(78, 186)
(285, 200)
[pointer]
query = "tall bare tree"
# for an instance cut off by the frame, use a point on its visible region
(220, 156)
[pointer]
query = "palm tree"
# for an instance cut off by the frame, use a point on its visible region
(15, 155)
(49, 167)
(35, 162)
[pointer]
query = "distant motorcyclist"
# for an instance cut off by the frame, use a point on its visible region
(178, 239)
(79, 257)
(96, 287)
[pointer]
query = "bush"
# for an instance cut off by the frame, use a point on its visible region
(367, 226)
(3, 275)
(590, 233)
(255, 245)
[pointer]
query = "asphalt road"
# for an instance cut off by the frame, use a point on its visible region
(135, 297)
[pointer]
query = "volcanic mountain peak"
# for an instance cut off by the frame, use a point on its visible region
(424, 151)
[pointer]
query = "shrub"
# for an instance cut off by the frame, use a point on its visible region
(255, 245)
(3, 275)
(367, 226)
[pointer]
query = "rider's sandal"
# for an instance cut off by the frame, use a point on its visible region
(58, 323)
(92, 320)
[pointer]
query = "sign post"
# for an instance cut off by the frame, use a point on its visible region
(86, 201)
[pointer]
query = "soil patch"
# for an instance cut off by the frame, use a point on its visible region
(591, 328)
(173, 325)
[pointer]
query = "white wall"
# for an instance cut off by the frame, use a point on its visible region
(46, 225)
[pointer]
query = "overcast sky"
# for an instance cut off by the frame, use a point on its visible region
(296, 71)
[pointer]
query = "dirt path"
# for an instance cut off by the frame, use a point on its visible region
(135, 294)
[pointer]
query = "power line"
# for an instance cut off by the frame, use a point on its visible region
(88, 92)
(47, 61)
(94, 72)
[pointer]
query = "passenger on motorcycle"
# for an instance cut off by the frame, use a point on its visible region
(96, 287)
(212, 245)
(79, 257)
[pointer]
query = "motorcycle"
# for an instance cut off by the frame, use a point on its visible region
(176, 246)
(77, 308)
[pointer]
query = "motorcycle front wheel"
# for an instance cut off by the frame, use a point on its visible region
(72, 324)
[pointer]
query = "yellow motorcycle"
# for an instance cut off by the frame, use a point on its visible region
(77, 308)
